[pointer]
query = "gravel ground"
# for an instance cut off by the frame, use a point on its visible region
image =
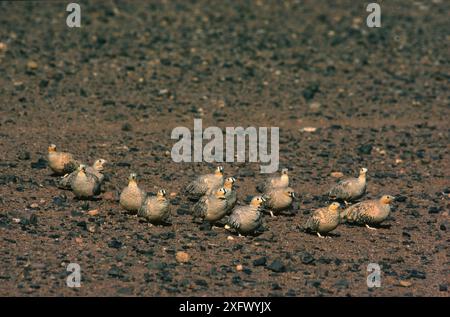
(115, 89)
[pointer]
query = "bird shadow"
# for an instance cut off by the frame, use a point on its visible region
(380, 226)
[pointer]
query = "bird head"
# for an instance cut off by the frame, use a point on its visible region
(334, 206)
(386, 199)
(257, 201)
(289, 192)
(363, 171)
(161, 193)
(219, 171)
(52, 148)
(82, 168)
(132, 178)
(221, 193)
(99, 164)
(284, 171)
(229, 182)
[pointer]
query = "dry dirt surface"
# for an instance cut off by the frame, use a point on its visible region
(116, 87)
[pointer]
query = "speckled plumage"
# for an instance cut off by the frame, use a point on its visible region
(132, 196)
(324, 220)
(369, 212)
(247, 219)
(350, 189)
(61, 163)
(281, 181)
(279, 199)
(205, 184)
(231, 195)
(211, 208)
(95, 169)
(85, 185)
(156, 209)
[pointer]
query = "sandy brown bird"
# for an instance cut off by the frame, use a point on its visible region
(96, 169)
(212, 207)
(132, 197)
(279, 199)
(61, 163)
(156, 209)
(324, 220)
(205, 184)
(369, 212)
(85, 185)
(231, 195)
(281, 181)
(350, 189)
(247, 219)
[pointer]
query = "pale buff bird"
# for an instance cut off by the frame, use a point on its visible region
(281, 181)
(96, 169)
(324, 220)
(85, 185)
(61, 163)
(350, 189)
(247, 219)
(231, 195)
(205, 184)
(212, 207)
(132, 197)
(369, 212)
(279, 199)
(156, 209)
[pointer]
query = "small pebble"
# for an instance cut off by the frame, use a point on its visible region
(405, 283)
(337, 174)
(32, 65)
(182, 257)
(93, 212)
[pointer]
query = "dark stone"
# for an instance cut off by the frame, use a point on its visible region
(416, 274)
(116, 272)
(127, 127)
(24, 155)
(123, 164)
(434, 210)
(59, 200)
(314, 283)
(277, 266)
(365, 149)
(201, 283)
(114, 243)
(33, 219)
(443, 288)
(40, 164)
(341, 284)
(307, 258)
(76, 213)
(276, 286)
(244, 172)
(260, 262)
(125, 290)
(400, 198)
(310, 91)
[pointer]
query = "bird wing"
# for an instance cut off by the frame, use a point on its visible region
(200, 208)
(360, 213)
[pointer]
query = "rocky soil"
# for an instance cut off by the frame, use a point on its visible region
(115, 89)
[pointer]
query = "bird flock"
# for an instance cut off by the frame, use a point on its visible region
(216, 201)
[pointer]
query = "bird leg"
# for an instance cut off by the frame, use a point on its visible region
(227, 227)
(271, 214)
(319, 235)
(346, 203)
(369, 227)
